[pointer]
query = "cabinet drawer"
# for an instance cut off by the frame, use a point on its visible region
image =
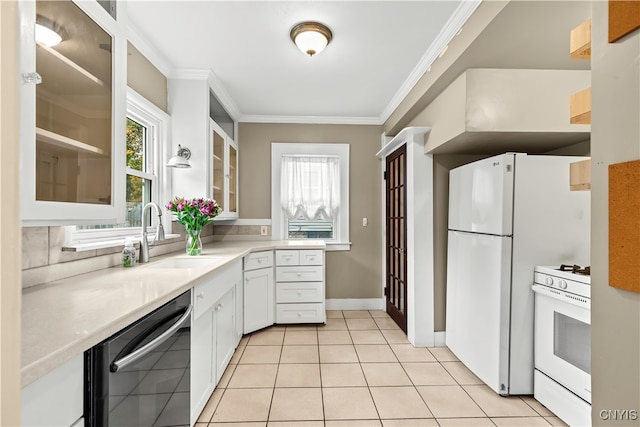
(309, 273)
(257, 260)
(294, 292)
(300, 313)
(214, 286)
(287, 257)
(311, 257)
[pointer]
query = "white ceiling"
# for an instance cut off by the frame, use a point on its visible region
(379, 50)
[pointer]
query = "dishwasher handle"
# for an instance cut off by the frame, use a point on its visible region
(133, 356)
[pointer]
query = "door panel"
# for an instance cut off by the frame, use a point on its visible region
(478, 304)
(481, 196)
(396, 240)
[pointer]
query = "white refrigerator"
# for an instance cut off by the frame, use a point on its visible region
(507, 214)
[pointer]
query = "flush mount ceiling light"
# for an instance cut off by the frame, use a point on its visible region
(181, 159)
(311, 37)
(48, 32)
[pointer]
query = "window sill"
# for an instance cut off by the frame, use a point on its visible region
(338, 246)
(111, 243)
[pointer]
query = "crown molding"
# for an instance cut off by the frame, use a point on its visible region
(325, 120)
(149, 51)
(190, 74)
(450, 30)
(223, 96)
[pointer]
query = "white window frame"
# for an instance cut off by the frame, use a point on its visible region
(341, 240)
(156, 123)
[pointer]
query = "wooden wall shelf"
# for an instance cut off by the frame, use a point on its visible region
(580, 108)
(580, 175)
(580, 41)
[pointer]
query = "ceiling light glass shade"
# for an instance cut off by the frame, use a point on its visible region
(311, 37)
(47, 36)
(181, 159)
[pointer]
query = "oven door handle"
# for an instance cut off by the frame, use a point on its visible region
(134, 356)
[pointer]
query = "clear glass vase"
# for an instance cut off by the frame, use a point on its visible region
(194, 244)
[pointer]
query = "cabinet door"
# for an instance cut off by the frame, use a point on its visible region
(218, 158)
(232, 178)
(225, 333)
(72, 147)
(259, 302)
(238, 317)
(56, 398)
(202, 362)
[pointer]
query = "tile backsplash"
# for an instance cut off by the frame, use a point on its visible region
(44, 260)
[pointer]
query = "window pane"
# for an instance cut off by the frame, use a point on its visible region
(310, 229)
(135, 145)
(138, 195)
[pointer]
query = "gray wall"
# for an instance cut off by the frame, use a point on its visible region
(145, 78)
(351, 274)
(615, 137)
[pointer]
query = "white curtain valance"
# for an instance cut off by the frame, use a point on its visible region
(310, 186)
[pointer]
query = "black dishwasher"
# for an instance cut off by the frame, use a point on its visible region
(140, 377)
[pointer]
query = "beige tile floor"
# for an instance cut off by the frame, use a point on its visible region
(357, 370)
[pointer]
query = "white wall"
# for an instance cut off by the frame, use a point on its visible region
(10, 289)
(615, 137)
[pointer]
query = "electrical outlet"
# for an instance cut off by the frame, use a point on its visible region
(264, 230)
(365, 222)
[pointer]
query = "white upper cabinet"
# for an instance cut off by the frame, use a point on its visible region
(224, 171)
(214, 153)
(72, 114)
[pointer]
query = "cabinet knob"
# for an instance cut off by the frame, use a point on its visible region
(200, 295)
(299, 274)
(299, 314)
(299, 293)
(259, 260)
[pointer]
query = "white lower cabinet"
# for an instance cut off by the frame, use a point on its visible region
(56, 398)
(300, 294)
(213, 332)
(259, 302)
(224, 312)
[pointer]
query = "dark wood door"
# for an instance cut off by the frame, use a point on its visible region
(396, 238)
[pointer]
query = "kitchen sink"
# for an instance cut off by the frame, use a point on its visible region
(175, 263)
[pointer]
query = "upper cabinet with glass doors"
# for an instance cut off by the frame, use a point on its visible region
(224, 171)
(202, 124)
(73, 60)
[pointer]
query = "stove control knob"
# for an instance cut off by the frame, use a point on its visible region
(548, 281)
(563, 284)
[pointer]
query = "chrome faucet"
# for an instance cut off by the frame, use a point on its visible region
(144, 244)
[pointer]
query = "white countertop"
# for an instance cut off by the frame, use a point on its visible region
(64, 318)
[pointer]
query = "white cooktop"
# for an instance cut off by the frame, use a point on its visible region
(567, 281)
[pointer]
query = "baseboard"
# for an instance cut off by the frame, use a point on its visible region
(439, 338)
(354, 304)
